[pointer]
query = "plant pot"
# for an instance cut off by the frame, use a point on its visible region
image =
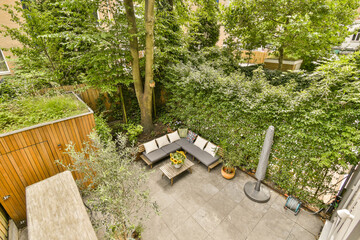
(177, 165)
(228, 175)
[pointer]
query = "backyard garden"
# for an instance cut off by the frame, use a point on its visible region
(157, 68)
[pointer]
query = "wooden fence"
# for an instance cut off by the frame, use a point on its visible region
(28, 156)
(256, 56)
(4, 224)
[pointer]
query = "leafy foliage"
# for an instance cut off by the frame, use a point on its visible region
(316, 124)
(27, 111)
(306, 29)
(53, 35)
(204, 30)
(112, 184)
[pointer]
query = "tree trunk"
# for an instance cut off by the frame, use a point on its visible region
(122, 104)
(143, 92)
(149, 57)
(281, 58)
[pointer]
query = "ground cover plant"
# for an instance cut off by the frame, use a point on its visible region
(316, 124)
(21, 112)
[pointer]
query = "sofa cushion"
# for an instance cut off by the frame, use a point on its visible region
(211, 149)
(192, 149)
(191, 136)
(200, 155)
(150, 146)
(183, 132)
(200, 142)
(156, 155)
(162, 141)
(173, 136)
(182, 142)
(206, 158)
(172, 147)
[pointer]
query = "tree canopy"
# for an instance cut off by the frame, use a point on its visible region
(302, 28)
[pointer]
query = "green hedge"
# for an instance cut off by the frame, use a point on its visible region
(315, 116)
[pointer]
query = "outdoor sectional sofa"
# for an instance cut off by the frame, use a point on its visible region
(202, 150)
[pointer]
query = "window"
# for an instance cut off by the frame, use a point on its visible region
(356, 36)
(4, 68)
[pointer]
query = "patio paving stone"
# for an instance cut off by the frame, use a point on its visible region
(190, 230)
(244, 219)
(299, 233)
(279, 225)
(310, 222)
(174, 215)
(205, 206)
(191, 201)
(207, 218)
(225, 230)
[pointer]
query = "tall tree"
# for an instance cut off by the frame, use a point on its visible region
(143, 90)
(304, 28)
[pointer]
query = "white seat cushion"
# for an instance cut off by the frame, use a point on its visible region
(150, 146)
(211, 149)
(200, 142)
(174, 136)
(162, 141)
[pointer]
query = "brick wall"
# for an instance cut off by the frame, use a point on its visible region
(7, 42)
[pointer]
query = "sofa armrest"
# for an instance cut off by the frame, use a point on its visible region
(141, 149)
(220, 152)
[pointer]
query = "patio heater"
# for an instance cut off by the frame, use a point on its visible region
(254, 190)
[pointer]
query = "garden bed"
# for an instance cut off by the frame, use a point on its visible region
(25, 112)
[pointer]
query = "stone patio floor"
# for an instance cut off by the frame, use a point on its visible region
(204, 205)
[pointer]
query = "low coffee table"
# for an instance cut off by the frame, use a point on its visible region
(170, 171)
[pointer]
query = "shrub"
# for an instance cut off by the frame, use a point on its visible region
(112, 184)
(315, 115)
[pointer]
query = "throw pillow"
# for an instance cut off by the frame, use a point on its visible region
(150, 146)
(162, 141)
(191, 136)
(211, 149)
(200, 142)
(183, 132)
(173, 136)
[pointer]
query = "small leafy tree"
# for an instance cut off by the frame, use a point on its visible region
(112, 184)
(306, 29)
(204, 30)
(53, 35)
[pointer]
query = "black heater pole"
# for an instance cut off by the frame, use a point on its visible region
(254, 190)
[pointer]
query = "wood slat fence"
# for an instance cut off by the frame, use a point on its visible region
(256, 57)
(28, 156)
(4, 224)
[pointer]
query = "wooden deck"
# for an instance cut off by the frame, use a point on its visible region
(55, 210)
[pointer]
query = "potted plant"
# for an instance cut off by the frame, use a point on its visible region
(177, 159)
(229, 160)
(228, 169)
